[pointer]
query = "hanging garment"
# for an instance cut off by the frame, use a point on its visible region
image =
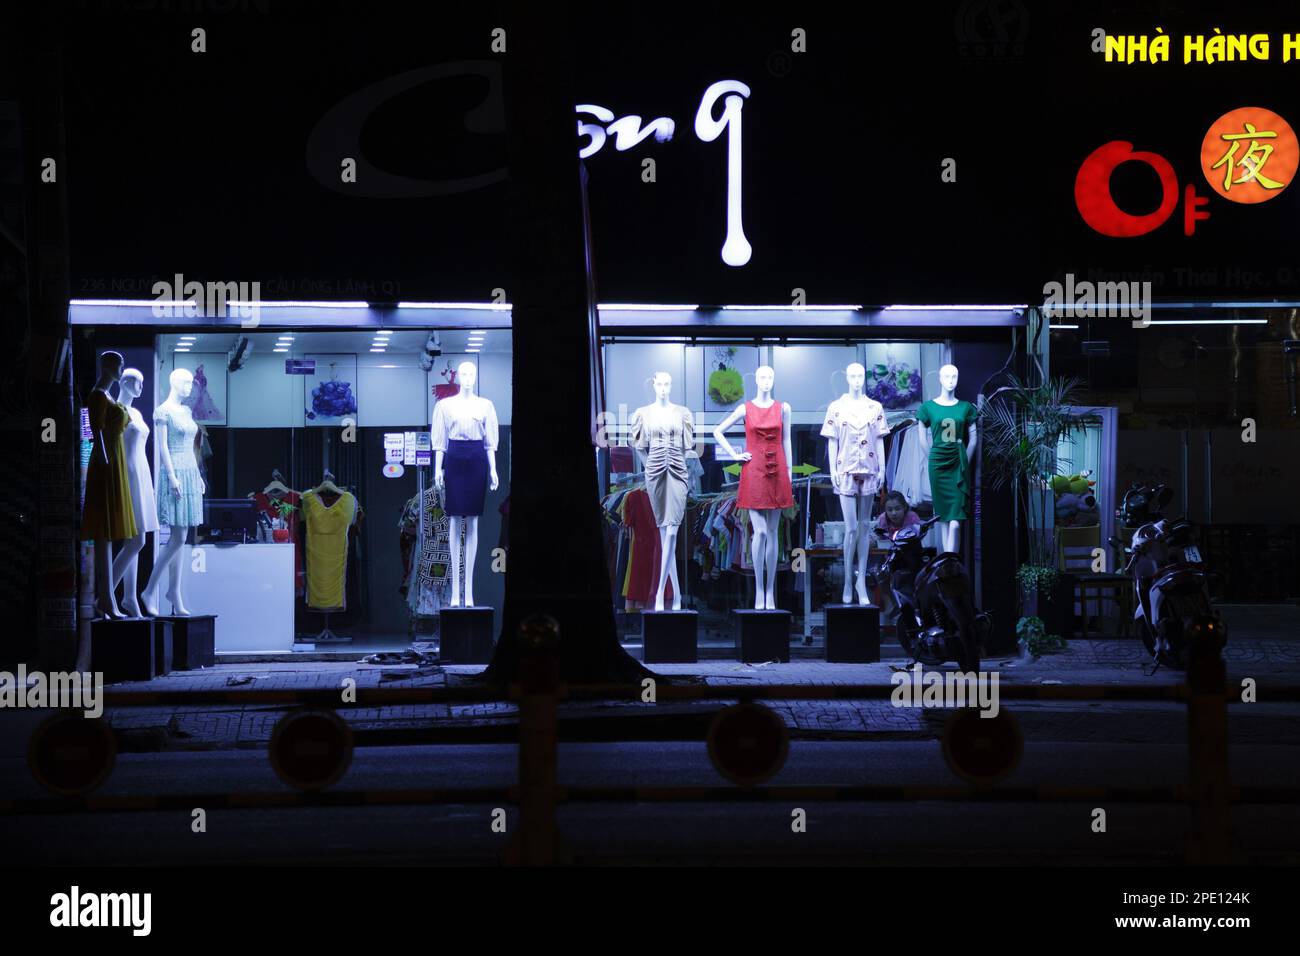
(949, 469)
(327, 549)
(765, 478)
(270, 505)
(912, 476)
(143, 503)
(183, 510)
(200, 402)
(856, 426)
(643, 567)
(108, 514)
(664, 434)
(426, 571)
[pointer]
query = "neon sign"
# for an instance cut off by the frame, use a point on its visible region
(628, 132)
(1248, 155)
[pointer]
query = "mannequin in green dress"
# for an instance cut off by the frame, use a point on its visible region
(949, 437)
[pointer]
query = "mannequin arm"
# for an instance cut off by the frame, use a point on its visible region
(833, 449)
(165, 456)
(971, 443)
(437, 469)
(927, 439)
(720, 437)
(786, 415)
(492, 467)
(880, 458)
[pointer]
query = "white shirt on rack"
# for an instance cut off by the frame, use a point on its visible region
(464, 418)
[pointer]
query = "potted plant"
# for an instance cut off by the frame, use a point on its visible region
(1023, 428)
(1034, 640)
(284, 511)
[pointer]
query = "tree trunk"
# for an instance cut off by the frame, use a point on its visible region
(556, 560)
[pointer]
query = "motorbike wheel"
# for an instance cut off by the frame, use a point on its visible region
(968, 649)
(1148, 637)
(1174, 654)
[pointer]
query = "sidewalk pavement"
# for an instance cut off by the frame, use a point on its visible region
(1096, 662)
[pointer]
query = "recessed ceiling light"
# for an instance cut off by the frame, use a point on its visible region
(472, 351)
(377, 350)
(188, 338)
(279, 350)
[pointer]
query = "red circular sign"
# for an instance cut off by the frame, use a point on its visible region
(311, 749)
(748, 743)
(982, 749)
(71, 754)
(1250, 155)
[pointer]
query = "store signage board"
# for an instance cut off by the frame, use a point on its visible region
(299, 366)
(394, 471)
(408, 448)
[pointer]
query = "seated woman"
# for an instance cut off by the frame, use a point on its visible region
(897, 514)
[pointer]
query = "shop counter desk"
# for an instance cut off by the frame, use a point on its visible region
(249, 587)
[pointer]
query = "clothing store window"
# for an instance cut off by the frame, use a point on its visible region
(714, 545)
(319, 528)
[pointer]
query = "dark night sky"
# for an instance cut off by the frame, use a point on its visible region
(199, 164)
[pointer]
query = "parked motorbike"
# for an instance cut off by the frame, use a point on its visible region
(1169, 578)
(937, 620)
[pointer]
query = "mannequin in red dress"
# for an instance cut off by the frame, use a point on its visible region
(766, 478)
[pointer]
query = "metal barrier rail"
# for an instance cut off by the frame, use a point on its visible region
(311, 749)
(385, 696)
(270, 800)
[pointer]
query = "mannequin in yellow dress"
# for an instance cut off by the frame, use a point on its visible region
(107, 514)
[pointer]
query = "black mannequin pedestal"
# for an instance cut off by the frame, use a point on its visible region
(194, 641)
(852, 634)
(762, 635)
(133, 649)
(670, 637)
(465, 635)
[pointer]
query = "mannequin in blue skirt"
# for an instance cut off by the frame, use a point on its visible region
(464, 439)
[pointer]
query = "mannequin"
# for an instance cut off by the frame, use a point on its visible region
(662, 433)
(766, 485)
(464, 437)
(107, 515)
(949, 439)
(855, 429)
(180, 497)
(125, 564)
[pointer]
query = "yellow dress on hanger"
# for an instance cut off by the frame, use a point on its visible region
(327, 549)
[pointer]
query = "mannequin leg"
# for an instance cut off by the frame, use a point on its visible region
(670, 549)
(758, 552)
(667, 566)
(125, 567)
(454, 533)
(471, 551)
(167, 555)
(849, 508)
(105, 603)
(176, 577)
(952, 536)
(864, 549)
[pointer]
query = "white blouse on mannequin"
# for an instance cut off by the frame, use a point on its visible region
(461, 418)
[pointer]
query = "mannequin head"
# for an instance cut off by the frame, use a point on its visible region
(131, 384)
(948, 378)
(663, 384)
(110, 366)
(467, 376)
(856, 376)
(764, 378)
(182, 382)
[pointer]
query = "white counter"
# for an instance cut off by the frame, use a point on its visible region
(249, 587)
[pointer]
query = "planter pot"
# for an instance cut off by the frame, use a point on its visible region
(280, 535)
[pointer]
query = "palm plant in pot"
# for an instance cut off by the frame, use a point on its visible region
(1024, 427)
